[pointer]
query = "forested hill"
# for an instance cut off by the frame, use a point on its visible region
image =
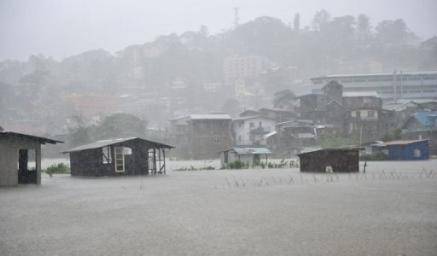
(37, 89)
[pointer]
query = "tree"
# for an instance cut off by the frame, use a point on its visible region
(231, 106)
(121, 125)
(363, 24)
(320, 20)
(296, 22)
(393, 32)
(285, 99)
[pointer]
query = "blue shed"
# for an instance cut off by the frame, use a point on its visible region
(407, 149)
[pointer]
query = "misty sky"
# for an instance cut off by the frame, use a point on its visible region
(60, 28)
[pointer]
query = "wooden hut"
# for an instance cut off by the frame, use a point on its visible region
(330, 160)
(119, 157)
(20, 158)
(249, 155)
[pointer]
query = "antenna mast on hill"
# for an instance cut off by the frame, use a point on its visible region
(236, 17)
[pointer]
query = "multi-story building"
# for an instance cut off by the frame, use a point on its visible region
(388, 86)
(250, 130)
(201, 136)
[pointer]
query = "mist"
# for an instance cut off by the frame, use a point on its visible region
(63, 28)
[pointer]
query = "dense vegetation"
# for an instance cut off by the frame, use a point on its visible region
(40, 90)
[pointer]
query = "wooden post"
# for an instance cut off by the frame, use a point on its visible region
(154, 161)
(163, 154)
(159, 160)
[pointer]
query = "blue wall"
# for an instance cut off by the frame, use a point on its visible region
(406, 152)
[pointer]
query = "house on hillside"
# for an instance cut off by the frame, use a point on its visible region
(119, 157)
(330, 160)
(363, 115)
(422, 125)
(201, 136)
(251, 130)
(249, 155)
(20, 158)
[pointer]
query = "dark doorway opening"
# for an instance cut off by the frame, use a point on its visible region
(27, 166)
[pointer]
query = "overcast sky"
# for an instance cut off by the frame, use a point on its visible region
(60, 28)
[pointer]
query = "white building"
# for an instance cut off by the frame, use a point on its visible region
(250, 130)
(388, 86)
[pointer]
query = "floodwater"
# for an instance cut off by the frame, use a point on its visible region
(389, 210)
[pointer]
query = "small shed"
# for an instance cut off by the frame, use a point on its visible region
(250, 155)
(407, 149)
(20, 158)
(330, 160)
(119, 157)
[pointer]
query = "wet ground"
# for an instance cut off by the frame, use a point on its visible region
(389, 210)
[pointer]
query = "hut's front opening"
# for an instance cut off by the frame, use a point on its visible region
(27, 172)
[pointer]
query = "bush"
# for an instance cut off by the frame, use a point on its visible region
(374, 157)
(60, 168)
(236, 165)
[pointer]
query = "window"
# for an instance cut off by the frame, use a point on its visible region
(371, 113)
(119, 159)
(251, 125)
(107, 156)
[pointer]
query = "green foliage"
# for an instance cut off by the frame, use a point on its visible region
(60, 168)
(393, 135)
(237, 164)
(113, 126)
(374, 157)
(338, 141)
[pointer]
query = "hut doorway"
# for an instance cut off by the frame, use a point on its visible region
(27, 173)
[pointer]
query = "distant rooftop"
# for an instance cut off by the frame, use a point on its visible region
(250, 150)
(373, 75)
(209, 116)
(361, 94)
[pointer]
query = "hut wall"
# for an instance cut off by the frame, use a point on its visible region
(340, 161)
(90, 162)
(407, 152)
(9, 149)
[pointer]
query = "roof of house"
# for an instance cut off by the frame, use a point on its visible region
(209, 117)
(202, 117)
(108, 142)
(426, 118)
(41, 140)
(280, 110)
(345, 149)
(361, 94)
(244, 118)
(401, 142)
(250, 150)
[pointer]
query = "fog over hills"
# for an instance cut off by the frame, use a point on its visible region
(63, 28)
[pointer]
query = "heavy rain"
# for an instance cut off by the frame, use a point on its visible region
(227, 127)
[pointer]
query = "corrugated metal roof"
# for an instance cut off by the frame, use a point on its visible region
(401, 142)
(41, 140)
(210, 116)
(426, 118)
(361, 94)
(250, 150)
(104, 143)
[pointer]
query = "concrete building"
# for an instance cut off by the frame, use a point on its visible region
(201, 136)
(20, 158)
(389, 86)
(250, 130)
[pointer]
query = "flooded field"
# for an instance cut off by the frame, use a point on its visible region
(389, 210)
